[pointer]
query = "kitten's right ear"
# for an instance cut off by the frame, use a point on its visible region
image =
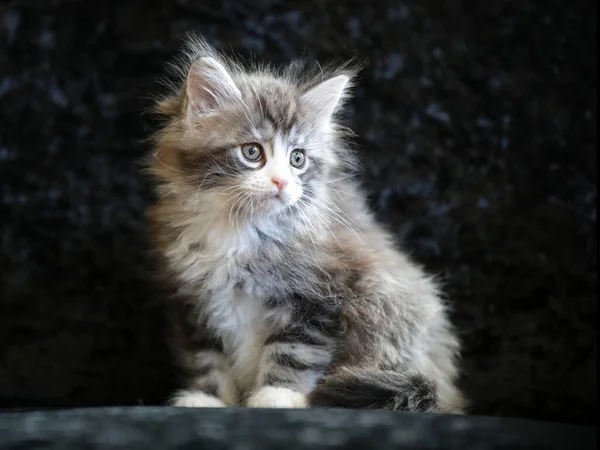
(209, 86)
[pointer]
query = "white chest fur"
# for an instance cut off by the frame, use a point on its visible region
(234, 309)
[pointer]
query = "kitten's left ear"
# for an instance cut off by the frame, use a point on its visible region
(325, 98)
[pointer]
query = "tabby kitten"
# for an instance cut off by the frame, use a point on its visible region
(286, 292)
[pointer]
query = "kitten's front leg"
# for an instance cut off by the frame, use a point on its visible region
(210, 384)
(200, 356)
(292, 362)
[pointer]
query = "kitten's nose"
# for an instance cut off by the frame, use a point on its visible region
(281, 184)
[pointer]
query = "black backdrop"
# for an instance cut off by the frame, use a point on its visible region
(478, 140)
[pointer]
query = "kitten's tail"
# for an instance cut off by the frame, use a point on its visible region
(376, 389)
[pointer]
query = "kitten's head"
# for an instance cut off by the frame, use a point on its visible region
(252, 142)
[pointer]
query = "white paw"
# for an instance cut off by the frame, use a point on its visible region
(277, 397)
(196, 399)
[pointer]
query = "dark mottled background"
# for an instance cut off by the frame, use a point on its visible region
(478, 137)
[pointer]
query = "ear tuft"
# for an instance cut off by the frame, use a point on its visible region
(326, 97)
(209, 85)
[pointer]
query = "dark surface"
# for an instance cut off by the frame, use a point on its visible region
(477, 132)
(151, 427)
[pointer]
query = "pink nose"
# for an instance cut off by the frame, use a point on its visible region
(281, 184)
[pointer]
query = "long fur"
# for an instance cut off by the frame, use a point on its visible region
(309, 303)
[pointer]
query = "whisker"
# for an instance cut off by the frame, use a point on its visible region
(227, 201)
(328, 228)
(165, 165)
(327, 209)
(338, 179)
(345, 192)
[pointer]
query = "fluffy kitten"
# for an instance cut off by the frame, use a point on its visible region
(287, 293)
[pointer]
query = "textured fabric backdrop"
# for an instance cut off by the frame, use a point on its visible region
(478, 140)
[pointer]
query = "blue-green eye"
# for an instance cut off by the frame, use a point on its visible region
(297, 158)
(252, 151)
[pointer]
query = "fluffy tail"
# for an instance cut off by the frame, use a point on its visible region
(375, 389)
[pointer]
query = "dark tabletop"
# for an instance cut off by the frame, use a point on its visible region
(478, 141)
(183, 428)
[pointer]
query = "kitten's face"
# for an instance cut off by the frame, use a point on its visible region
(253, 146)
(273, 175)
(258, 156)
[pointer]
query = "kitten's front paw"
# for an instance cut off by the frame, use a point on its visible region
(196, 399)
(277, 397)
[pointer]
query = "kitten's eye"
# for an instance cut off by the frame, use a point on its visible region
(297, 158)
(252, 151)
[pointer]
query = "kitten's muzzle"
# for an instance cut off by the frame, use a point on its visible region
(279, 183)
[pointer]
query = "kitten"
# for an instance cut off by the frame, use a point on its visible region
(287, 293)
